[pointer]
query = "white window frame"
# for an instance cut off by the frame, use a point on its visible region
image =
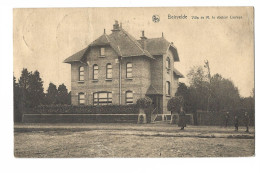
(129, 100)
(109, 71)
(81, 98)
(102, 51)
(129, 70)
(81, 73)
(95, 72)
(102, 98)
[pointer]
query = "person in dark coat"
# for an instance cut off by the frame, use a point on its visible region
(247, 121)
(182, 119)
(236, 123)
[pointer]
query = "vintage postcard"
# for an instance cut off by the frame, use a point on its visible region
(134, 82)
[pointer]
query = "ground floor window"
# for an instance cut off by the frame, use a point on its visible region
(129, 97)
(81, 98)
(102, 98)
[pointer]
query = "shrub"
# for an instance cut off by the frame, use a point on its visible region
(175, 103)
(88, 109)
(144, 102)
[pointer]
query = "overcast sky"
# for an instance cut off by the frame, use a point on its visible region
(43, 38)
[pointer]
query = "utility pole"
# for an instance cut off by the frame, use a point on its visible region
(209, 79)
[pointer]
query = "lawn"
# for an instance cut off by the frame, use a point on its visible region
(130, 140)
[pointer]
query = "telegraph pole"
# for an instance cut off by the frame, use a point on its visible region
(209, 79)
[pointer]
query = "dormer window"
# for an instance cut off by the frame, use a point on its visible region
(102, 51)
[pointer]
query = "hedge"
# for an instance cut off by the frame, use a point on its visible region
(88, 109)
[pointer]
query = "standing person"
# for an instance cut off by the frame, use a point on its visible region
(247, 121)
(236, 123)
(182, 121)
(226, 119)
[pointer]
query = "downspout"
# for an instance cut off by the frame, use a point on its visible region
(120, 78)
(120, 75)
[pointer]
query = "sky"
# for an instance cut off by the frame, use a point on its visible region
(43, 38)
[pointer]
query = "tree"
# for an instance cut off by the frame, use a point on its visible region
(35, 90)
(52, 94)
(63, 96)
(199, 88)
(31, 86)
(24, 79)
(69, 98)
(211, 93)
(17, 101)
(184, 91)
(225, 96)
(24, 85)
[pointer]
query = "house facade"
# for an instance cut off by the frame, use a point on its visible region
(118, 69)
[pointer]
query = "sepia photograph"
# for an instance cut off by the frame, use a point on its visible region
(140, 82)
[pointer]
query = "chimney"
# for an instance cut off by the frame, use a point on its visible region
(162, 34)
(143, 40)
(115, 27)
(104, 31)
(143, 37)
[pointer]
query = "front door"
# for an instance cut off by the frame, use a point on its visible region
(156, 108)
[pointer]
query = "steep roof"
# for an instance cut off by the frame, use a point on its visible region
(158, 46)
(76, 57)
(126, 45)
(152, 91)
(100, 41)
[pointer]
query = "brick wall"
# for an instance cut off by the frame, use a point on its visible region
(138, 84)
(168, 77)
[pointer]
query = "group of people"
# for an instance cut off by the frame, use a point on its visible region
(182, 120)
(247, 121)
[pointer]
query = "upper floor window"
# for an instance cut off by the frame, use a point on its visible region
(102, 98)
(95, 72)
(129, 97)
(129, 69)
(168, 88)
(102, 51)
(81, 73)
(168, 64)
(81, 98)
(109, 71)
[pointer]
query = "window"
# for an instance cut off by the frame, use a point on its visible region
(102, 51)
(81, 98)
(168, 64)
(129, 68)
(129, 97)
(168, 88)
(102, 98)
(95, 72)
(109, 71)
(81, 73)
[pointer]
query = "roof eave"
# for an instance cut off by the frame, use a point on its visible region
(175, 53)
